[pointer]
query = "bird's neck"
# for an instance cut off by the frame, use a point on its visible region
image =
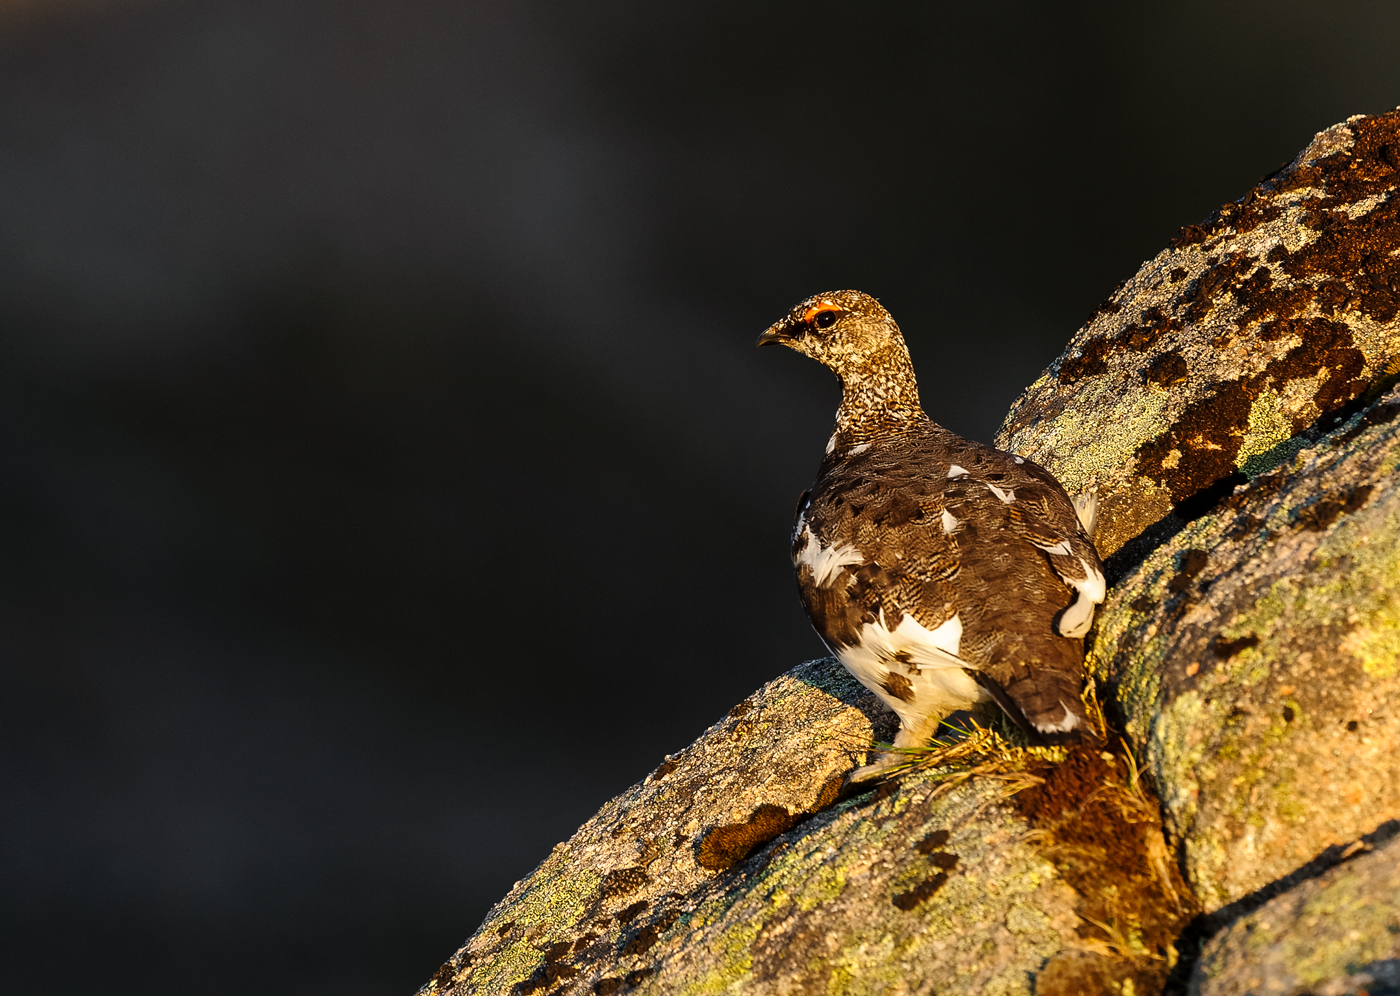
(879, 397)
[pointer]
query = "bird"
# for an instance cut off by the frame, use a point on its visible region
(943, 573)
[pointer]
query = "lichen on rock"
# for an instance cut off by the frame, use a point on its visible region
(607, 895)
(1266, 323)
(1334, 935)
(1262, 685)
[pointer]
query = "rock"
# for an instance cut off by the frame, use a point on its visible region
(1223, 354)
(1235, 407)
(916, 887)
(1248, 511)
(1255, 659)
(1335, 935)
(621, 881)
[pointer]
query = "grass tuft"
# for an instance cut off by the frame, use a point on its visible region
(964, 749)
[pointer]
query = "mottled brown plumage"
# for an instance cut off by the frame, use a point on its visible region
(942, 572)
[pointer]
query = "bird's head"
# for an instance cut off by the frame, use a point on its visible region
(844, 330)
(857, 340)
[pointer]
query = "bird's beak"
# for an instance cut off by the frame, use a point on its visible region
(781, 332)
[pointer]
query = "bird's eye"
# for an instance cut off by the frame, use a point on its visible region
(824, 319)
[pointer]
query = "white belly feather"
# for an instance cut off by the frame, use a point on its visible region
(926, 659)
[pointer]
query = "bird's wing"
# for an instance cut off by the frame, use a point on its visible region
(952, 554)
(870, 548)
(1010, 499)
(1030, 579)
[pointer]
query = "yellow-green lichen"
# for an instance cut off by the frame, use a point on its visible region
(555, 902)
(1127, 650)
(839, 983)
(1368, 584)
(1351, 581)
(1024, 920)
(1346, 933)
(1089, 448)
(1269, 426)
(1317, 937)
(1376, 643)
(800, 893)
(822, 887)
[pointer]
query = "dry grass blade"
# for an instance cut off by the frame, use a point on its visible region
(1129, 945)
(1093, 709)
(970, 750)
(967, 749)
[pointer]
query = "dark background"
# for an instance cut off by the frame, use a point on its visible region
(386, 475)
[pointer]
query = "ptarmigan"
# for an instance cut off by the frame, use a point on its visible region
(941, 572)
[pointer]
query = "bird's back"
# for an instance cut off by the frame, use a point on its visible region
(923, 532)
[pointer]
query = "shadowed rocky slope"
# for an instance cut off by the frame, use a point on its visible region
(1234, 405)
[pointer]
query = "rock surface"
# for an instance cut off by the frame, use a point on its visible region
(1248, 511)
(1230, 349)
(1234, 406)
(1336, 935)
(598, 904)
(918, 887)
(1256, 659)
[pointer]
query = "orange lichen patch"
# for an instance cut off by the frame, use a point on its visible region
(723, 847)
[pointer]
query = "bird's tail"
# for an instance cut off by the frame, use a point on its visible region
(1046, 704)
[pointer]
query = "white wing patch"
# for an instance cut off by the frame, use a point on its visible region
(934, 672)
(1060, 549)
(825, 561)
(947, 636)
(858, 450)
(951, 523)
(937, 647)
(1063, 726)
(1089, 592)
(954, 472)
(1006, 496)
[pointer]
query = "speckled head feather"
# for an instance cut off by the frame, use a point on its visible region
(943, 573)
(856, 338)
